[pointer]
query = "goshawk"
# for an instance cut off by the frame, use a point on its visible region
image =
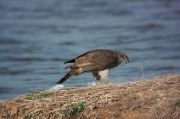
(99, 62)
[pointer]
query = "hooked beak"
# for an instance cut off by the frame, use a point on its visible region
(127, 61)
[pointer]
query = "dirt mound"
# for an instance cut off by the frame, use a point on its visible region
(157, 98)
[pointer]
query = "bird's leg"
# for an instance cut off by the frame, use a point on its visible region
(98, 81)
(95, 74)
(106, 81)
(104, 75)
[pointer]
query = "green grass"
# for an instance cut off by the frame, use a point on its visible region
(6, 115)
(37, 95)
(74, 109)
(119, 109)
(136, 107)
(154, 97)
(177, 103)
(70, 88)
(27, 117)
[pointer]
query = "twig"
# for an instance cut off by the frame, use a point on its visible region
(142, 70)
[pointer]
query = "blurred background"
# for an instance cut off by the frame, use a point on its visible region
(38, 36)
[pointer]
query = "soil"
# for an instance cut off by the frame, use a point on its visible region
(157, 98)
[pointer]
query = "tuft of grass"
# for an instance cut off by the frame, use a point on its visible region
(119, 109)
(74, 109)
(27, 117)
(177, 103)
(69, 88)
(6, 115)
(136, 107)
(37, 95)
(154, 97)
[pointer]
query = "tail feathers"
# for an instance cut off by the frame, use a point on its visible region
(70, 61)
(73, 66)
(68, 75)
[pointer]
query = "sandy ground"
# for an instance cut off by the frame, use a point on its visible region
(157, 98)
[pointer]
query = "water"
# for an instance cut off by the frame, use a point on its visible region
(37, 37)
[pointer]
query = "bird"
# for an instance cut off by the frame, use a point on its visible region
(98, 62)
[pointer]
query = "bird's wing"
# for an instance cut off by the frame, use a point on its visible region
(96, 60)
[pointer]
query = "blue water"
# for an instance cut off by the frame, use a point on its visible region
(38, 36)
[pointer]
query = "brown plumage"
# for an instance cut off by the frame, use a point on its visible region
(96, 61)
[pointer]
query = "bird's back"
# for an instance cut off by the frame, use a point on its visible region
(96, 60)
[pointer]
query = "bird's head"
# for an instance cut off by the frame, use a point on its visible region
(122, 57)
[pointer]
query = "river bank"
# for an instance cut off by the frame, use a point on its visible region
(156, 98)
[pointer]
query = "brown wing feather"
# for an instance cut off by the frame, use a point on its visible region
(96, 60)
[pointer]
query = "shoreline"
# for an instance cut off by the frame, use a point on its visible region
(155, 98)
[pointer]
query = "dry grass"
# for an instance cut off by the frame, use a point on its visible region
(157, 98)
